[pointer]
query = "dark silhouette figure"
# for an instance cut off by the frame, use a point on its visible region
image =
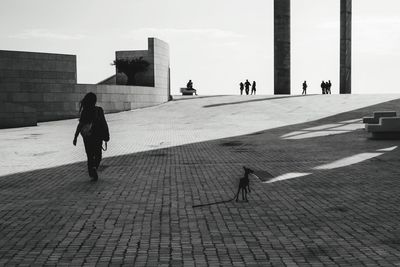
(244, 184)
(247, 86)
(94, 130)
(304, 88)
(253, 88)
(241, 88)
(328, 89)
(189, 86)
(323, 87)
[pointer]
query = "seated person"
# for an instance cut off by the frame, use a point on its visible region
(189, 85)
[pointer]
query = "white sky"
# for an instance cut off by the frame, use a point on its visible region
(216, 43)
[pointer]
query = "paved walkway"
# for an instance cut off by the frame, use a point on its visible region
(187, 120)
(323, 195)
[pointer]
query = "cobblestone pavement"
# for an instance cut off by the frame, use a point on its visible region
(141, 213)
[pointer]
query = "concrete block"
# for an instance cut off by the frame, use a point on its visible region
(67, 88)
(4, 63)
(114, 98)
(78, 88)
(28, 109)
(377, 115)
(10, 87)
(36, 97)
(106, 97)
(49, 97)
(20, 97)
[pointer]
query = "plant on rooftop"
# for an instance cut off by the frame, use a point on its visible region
(130, 67)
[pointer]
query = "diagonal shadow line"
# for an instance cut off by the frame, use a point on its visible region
(253, 100)
(328, 129)
(196, 97)
(310, 132)
(392, 104)
(274, 131)
(332, 127)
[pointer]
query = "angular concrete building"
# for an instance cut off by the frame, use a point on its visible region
(37, 87)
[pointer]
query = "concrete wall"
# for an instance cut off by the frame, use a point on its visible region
(115, 98)
(54, 102)
(161, 64)
(27, 81)
(28, 67)
(42, 87)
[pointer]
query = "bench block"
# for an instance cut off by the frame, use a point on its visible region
(385, 114)
(186, 91)
(387, 128)
(382, 128)
(378, 115)
(385, 135)
(370, 120)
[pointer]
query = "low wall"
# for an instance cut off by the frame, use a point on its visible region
(55, 102)
(115, 98)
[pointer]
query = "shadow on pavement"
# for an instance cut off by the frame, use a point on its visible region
(253, 100)
(195, 97)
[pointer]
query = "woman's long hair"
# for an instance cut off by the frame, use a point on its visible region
(87, 107)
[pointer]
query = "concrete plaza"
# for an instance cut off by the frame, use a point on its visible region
(324, 195)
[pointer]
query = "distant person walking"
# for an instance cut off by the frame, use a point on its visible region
(328, 87)
(241, 88)
(253, 88)
(247, 86)
(94, 130)
(323, 87)
(304, 88)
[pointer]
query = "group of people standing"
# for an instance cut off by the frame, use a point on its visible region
(246, 86)
(325, 86)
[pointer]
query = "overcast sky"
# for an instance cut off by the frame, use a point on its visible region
(216, 43)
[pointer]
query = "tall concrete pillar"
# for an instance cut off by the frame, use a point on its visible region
(281, 47)
(345, 46)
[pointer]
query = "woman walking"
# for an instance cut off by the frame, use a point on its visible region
(253, 88)
(94, 130)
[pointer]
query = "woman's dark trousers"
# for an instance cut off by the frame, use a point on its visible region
(93, 152)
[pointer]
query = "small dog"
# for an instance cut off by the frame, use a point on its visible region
(244, 184)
